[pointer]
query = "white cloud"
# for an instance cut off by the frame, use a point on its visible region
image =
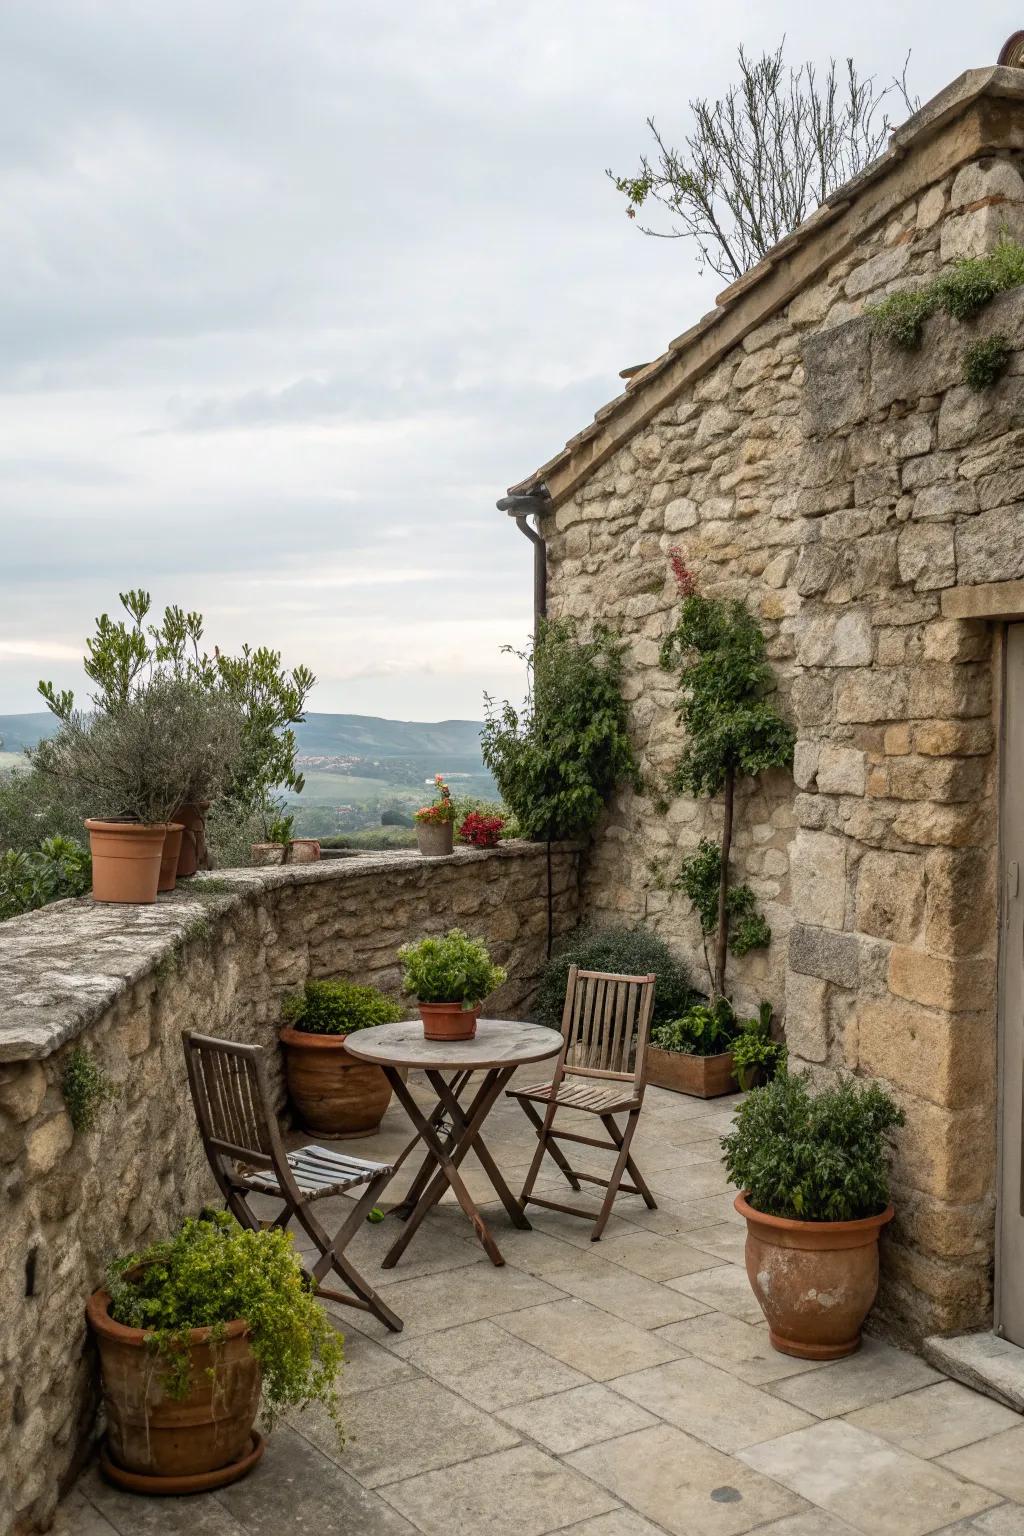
(289, 295)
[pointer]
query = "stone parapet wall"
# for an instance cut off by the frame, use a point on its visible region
(839, 487)
(124, 982)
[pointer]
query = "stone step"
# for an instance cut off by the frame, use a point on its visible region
(983, 1361)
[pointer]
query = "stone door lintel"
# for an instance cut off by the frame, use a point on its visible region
(988, 600)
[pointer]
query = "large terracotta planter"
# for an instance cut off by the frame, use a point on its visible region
(125, 860)
(706, 1077)
(448, 1021)
(192, 855)
(435, 840)
(815, 1281)
(169, 857)
(333, 1094)
(153, 1435)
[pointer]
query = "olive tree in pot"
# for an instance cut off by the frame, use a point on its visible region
(190, 1333)
(814, 1174)
(334, 1094)
(449, 978)
(130, 765)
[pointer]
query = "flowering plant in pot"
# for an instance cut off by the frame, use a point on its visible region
(132, 765)
(190, 1333)
(334, 1094)
(449, 978)
(814, 1174)
(481, 830)
(435, 822)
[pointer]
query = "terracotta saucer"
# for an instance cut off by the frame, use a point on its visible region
(200, 1482)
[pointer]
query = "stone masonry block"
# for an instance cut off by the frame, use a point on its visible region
(820, 952)
(956, 985)
(806, 1024)
(946, 1059)
(818, 878)
(891, 895)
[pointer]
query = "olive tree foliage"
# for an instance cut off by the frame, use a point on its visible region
(126, 655)
(761, 158)
(733, 730)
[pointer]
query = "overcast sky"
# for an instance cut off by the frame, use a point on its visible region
(290, 293)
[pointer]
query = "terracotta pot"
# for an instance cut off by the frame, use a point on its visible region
(448, 1021)
(150, 1433)
(706, 1077)
(303, 850)
(815, 1281)
(334, 1094)
(125, 860)
(268, 853)
(169, 857)
(193, 855)
(435, 840)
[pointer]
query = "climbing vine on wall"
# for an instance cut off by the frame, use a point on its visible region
(962, 293)
(733, 730)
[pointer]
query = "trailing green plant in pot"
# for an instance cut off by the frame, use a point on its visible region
(693, 1053)
(814, 1174)
(449, 978)
(435, 823)
(190, 1333)
(334, 1094)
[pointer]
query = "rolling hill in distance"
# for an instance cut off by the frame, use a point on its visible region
(356, 766)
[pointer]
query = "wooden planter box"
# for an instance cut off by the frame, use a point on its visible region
(706, 1077)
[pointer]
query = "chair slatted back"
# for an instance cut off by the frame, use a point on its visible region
(605, 1025)
(232, 1100)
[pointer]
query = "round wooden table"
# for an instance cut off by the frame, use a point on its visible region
(452, 1129)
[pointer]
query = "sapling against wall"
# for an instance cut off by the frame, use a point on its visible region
(733, 730)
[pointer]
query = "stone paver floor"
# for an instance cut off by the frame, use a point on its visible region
(620, 1388)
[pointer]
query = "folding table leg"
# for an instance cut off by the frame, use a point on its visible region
(447, 1163)
(455, 1112)
(404, 1207)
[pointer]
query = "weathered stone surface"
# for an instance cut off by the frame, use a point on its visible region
(951, 984)
(914, 1048)
(836, 368)
(890, 895)
(822, 953)
(818, 880)
(991, 547)
(835, 640)
(841, 770)
(806, 1017)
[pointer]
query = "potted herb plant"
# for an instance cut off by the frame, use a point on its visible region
(693, 1053)
(756, 1057)
(190, 1333)
(277, 836)
(435, 823)
(814, 1174)
(334, 1094)
(449, 978)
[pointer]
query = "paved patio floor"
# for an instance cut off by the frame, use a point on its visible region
(620, 1388)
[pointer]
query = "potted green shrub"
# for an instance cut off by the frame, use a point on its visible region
(756, 1057)
(814, 1174)
(190, 1333)
(693, 1053)
(334, 1094)
(435, 823)
(277, 836)
(449, 978)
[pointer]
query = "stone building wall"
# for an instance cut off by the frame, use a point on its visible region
(124, 982)
(839, 486)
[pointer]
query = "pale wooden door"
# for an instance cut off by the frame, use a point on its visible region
(1009, 1305)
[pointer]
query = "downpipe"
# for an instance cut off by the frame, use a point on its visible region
(521, 508)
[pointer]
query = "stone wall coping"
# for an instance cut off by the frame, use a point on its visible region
(62, 967)
(987, 600)
(974, 115)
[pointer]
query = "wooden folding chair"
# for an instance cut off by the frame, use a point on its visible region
(243, 1144)
(605, 1025)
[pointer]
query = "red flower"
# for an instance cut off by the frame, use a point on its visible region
(686, 581)
(481, 831)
